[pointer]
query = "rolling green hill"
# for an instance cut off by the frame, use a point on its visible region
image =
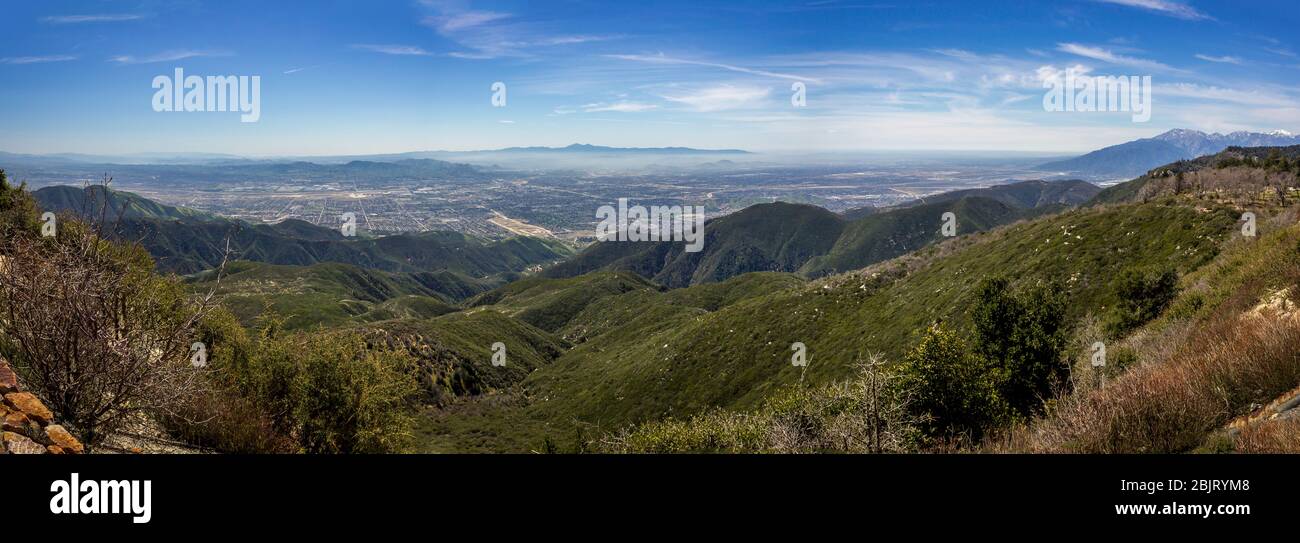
(1023, 194)
(783, 237)
(185, 241)
(96, 201)
(332, 294)
(639, 356)
(188, 246)
(883, 236)
(455, 351)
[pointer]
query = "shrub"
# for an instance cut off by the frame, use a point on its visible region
(1022, 336)
(330, 391)
(954, 390)
(1142, 296)
(1278, 436)
(866, 414)
(94, 331)
(313, 392)
(18, 212)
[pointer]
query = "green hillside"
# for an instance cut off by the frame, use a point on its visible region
(882, 236)
(809, 240)
(549, 304)
(638, 356)
(184, 241)
(332, 294)
(96, 201)
(188, 246)
(454, 351)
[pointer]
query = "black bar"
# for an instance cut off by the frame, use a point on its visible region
(314, 493)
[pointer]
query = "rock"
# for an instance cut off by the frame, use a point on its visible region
(54, 449)
(8, 381)
(14, 422)
(19, 444)
(28, 404)
(63, 439)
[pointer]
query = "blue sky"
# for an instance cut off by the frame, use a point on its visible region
(355, 77)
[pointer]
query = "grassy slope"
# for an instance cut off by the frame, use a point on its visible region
(646, 355)
(883, 236)
(333, 294)
(1211, 357)
(92, 200)
(809, 240)
(664, 361)
(503, 422)
(766, 237)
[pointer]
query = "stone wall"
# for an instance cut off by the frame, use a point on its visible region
(28, 426)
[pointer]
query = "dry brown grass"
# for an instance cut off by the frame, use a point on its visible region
(1276, 436)
(1225, 369)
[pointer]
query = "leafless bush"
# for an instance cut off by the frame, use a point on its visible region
(94, 331)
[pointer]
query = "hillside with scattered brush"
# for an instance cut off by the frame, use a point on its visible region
(981, 342)
(664, 369)
(184, 241)
(805, 239)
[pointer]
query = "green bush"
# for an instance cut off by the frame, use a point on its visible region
(19, 213)
(319, 392)
(1142, 296)
(955, 392)
(1022, 336)
(866, 414)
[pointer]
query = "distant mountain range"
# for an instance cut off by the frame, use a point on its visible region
(1132, 159)
(806, 239)
(587, 148)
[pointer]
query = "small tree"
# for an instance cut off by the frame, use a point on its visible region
(1023, 336)
(18, 213)
(953, 390)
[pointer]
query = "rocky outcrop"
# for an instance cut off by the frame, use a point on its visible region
(26, 425)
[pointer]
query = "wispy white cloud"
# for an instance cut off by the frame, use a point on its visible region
(102, 18)
(1108, 56)
(661, 59)
(623, 107)
(1171, 8)
(492, 34)
(1255, 97)
(167, 56)
(37, 59)
(389, 49)
(453, 22)
(722, 97)
(1223, 59)
(291, 71)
